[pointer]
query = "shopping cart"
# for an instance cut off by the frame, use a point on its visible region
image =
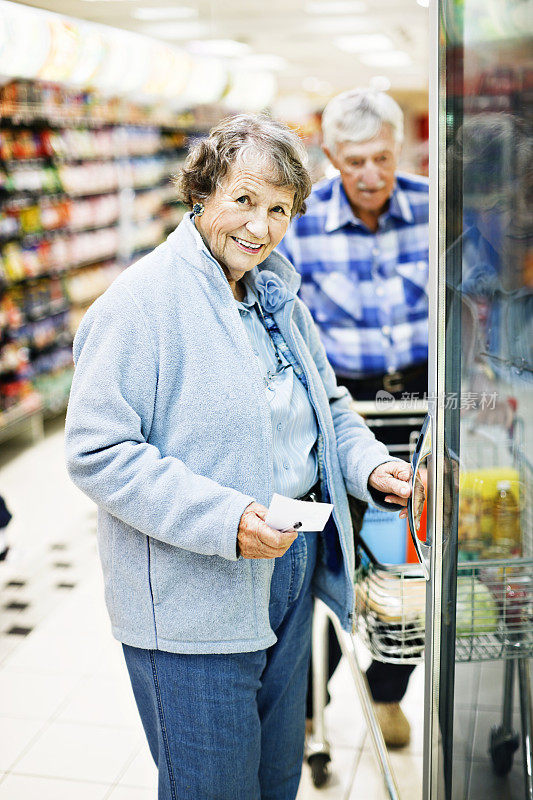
(495, 601)
(377, 415)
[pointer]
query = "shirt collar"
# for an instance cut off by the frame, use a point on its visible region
(399, 205)
(340, 212)
(250, 297)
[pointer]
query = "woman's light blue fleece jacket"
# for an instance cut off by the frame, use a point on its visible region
(168, 431)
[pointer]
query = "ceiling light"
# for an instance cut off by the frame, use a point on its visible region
(310, 84)
(316, 85)
(380, 83)
(364, 44)
(327, 26)
(265, 61)
(175, 30)
(423, 3)
(223, 48)
(165, 12)
(336, 7)
(390, 58)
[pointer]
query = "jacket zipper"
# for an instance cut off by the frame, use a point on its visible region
(350, 592)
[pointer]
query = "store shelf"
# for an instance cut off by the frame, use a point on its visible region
(85, 192)
(27, 411)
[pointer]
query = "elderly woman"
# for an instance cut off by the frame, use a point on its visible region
(201, 388)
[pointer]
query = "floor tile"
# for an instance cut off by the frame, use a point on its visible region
(26, 787)
(368, 781)
(8, 645)
(142, 771)
(16, 605)
(32, 694)
(485, 721)
(467, 677)
(76, 752)
(111, 661)
(342, 769)
(413, 708)
(100, 701)
(60, 655)
(18, 630)
(344, 721)
(464, 725)
(15, 735)
(485, 784)
(130, 793)
(491, 687)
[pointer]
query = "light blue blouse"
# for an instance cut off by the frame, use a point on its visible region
(294, 428)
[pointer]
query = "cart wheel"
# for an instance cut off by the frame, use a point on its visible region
(319, 768)
(502, 748)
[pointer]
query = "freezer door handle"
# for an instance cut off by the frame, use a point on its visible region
(415, 503)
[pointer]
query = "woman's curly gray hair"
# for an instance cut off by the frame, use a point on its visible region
(236, 138)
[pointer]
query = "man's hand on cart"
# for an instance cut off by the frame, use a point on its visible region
(393, 479)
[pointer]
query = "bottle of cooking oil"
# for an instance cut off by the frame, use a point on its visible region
(469, 530)
(484, 512)
(506, 532)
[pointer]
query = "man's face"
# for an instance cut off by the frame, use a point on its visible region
(367, 170)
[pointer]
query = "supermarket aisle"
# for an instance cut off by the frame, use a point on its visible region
(68, 723)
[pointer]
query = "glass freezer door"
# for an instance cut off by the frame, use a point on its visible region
(479, 553)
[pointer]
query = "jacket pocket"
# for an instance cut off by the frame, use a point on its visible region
(201, 598)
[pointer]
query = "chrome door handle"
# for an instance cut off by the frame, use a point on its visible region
(414, 509)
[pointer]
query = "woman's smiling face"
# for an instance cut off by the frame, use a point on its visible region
(246, 217)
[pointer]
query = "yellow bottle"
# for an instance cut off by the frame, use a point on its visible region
(506, 515)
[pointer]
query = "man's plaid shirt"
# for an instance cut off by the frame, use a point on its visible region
(366, 291)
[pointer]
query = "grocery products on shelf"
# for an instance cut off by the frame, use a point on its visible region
(476, 610)
(85, 189)
(489, 514)
(27, 100)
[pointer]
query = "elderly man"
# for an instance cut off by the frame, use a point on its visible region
(362, 252)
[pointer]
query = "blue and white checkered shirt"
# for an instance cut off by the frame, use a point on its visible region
(366, 291)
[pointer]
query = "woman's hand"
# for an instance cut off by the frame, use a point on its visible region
(257, 539)
(392, 478)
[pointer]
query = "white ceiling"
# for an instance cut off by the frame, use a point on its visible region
(284, 28)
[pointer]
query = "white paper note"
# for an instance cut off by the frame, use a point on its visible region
(285, 513)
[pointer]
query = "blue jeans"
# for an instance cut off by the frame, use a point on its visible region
(232, 726)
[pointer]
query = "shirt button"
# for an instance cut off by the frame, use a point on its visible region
(385, 330)
(279, 426)
(285, 465)
(390, 370)
(380, 291)
(375, 251)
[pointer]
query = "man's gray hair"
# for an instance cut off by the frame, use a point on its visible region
(358, 115)
(254, 137)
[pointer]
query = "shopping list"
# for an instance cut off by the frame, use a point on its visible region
(285, 513)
